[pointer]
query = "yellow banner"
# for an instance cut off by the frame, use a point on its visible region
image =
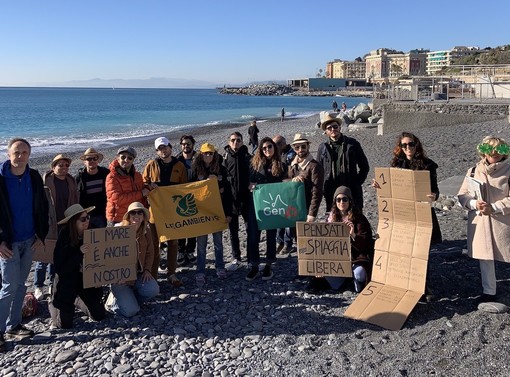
(187, 210)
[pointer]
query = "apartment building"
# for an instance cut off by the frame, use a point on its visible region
(385, 64)
(437, 60)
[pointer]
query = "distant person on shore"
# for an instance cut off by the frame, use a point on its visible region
(335, 106)
(68, 291)
(284, 236)
(164, 170)
(207, 165)
(125, 299)
(91, 182)
(343, 160)
(253, 131)
(488, 231)
(24, 225)
(266, 167)
(283, 114)
(187, 246)
(344, 107)
(64, 193)
(237, 162)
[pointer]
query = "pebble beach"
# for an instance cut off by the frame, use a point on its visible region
(234, 327)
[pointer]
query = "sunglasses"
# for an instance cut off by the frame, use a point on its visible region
(235, 140)
(344, 199)
(84, 218)
(411, 144)
(126, 157)
(486, 148)
(91, 159)
(208, 154)
(138, 212)
(63, 165)
(186, 144)
(267, 147)
(332, 127)
(300, 146)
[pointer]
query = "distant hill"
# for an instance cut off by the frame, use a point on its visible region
(496, 55)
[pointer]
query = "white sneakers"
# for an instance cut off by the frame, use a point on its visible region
(38, 293)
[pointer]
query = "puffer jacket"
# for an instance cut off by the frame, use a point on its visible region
(122, 189)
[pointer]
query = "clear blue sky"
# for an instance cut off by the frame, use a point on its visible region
(226, 41)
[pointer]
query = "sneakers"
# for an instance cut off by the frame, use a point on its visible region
(267, 274)
(200, 279)
(221, 274)
(286, 251)
(486, 298)
(176, 283)
(192, 258)
(280, 248)
(38, 293)
(181, 258)
(254, 272)
(234, 265)
(19, 332)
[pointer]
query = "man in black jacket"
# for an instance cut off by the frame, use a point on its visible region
(237, 162)
(24, 225)
(343, 160)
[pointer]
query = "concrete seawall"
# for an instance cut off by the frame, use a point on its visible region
(401, 116)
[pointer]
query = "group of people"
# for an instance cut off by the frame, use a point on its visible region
(60, 207)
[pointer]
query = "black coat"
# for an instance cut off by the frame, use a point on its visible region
(238, 169)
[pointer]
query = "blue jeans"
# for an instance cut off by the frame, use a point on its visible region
(359, 275)
(202, 252)
(14, 274)
(284, 236)
(40, 273)
(126, 299)
(254, 239)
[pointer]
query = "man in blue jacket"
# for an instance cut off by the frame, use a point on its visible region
(24, 225)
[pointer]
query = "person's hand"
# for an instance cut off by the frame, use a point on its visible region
(251, 187)
(375, 184)
(153, 186)
(431, 197)
(484, 207)
(310, 219)
(38, 244)
(85, 248)
(298, 179)
(5, 252)
(228, 219)
(146, 276)
(145, 192)
(351, 227)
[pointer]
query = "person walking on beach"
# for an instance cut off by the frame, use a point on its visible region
(207, 165)
(253, 131)
(125, 299)
(343, 160)
(282, 114)
(64, 193)
(91, 182)
(187, 246)
(164, 170)
(68, 291)
(124, 185)
(24, 225)
(266, 167)
(488, 229)
(335, 106)
(237, 162)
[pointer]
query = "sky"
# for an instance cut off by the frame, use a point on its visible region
(225, 42)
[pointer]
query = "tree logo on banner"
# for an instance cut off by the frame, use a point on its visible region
(186, 206)
(276, 206)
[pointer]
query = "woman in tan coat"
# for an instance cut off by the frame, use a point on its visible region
(488, 230)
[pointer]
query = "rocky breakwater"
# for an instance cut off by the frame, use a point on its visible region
(259, 90)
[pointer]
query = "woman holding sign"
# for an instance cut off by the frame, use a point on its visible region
(68, 288)
(266, 167)
(488, 232)
(125, 299)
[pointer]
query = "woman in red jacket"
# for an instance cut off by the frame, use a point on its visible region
(124, 185)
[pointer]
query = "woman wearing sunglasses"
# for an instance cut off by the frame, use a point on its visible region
(68, 290)
(124, 185)
(125, 299)
(409, 154)
(266, 167)
(488, 231)
(362, 243)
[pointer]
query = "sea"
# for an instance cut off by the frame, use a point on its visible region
(70, 119)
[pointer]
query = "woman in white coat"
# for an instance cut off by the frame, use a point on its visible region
(488, 230)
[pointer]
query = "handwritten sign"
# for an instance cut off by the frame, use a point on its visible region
(324, 249)
(113, 256)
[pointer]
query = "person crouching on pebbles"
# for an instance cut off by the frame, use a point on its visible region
(207, 165)
(488, 230)
(68, 290)
(125, 299)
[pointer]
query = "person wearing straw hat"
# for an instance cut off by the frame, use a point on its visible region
(68, 290)
(91, 182)
(125, 299)
(64, 193)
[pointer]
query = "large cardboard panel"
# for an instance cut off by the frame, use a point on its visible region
(380, 266)
(113, 256)
(324, 249)
(44, 253)
(399, 267)
(422, 185)
(385, 224)
(402, 184)
(383, 178)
